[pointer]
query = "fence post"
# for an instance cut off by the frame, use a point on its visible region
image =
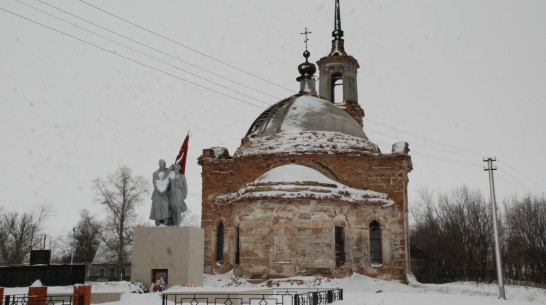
(6, 299)
(1, 295)
(164, 299)
(315, 298)
(330, 296)
(296, 299)
(82, 295)
(341, 294)
(37, 295)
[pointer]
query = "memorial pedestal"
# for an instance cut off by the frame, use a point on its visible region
(173, 252)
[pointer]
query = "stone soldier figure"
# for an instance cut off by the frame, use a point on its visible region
(178, 192)
(160, 197)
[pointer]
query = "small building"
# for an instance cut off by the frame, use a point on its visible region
(307, 193)
(103, 269)
(105, 272)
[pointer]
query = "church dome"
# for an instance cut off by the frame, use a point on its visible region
(304, 124)
(304, 113)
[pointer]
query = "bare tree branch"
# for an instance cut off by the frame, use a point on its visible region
(120, 193)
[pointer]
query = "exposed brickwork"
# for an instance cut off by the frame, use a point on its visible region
(1, 296)
(355, 111)
(84, 291)
(37, 295)
(284, 237)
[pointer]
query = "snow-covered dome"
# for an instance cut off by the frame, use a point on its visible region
(304, 124)
(298, 181)
(304, 113)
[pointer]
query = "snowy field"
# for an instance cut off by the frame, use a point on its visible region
(358, 290)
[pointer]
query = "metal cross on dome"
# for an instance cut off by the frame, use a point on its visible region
(306, 39)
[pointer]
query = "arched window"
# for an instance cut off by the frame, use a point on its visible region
(220, 244)
(339, 246)
(375, 243)
(337, 89)
(237, 259)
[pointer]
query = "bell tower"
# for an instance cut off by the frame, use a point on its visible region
(338, 71)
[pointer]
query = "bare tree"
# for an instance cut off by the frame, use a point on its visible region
(455, 230)
(80, 244)
(86, 238)
(19, 233)
(189, 219)
(120, 194)
(525, 239)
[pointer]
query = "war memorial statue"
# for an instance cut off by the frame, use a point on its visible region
(170, 190)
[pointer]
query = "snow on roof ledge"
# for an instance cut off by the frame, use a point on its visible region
(293, 173)
(400, 148)
(298, 181)
(305, 142)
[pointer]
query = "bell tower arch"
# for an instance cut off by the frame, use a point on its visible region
(338, 74)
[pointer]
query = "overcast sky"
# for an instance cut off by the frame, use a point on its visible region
(458, 80)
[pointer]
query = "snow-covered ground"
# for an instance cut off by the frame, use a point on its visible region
(358, 290)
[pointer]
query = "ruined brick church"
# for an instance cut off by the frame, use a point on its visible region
(307, 193)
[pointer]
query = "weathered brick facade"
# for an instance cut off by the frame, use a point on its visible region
(307, 193)
(286, 237)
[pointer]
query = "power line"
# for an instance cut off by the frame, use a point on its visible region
(423, 138)
(413, 152)
(518, 186)
(157, 50)
(156, 69)
(515, 180)
(421, 144)
(505, 176)
(512, 179)
(512, 183)
(128, 58)
(144, 54)
(521, 174)
(186, 47)
(454, 161)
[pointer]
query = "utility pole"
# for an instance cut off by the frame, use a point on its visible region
(498, 258)
(73, 245)
(72, 255)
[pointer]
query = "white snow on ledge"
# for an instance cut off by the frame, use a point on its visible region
(218, 151)
(306, 142)
(293, 173)
(400, 148)
(298, 181)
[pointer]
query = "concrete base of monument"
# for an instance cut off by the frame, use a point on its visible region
(176, 253)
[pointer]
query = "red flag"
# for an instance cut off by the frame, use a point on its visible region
(181, 158)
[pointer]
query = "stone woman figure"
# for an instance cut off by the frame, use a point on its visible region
(179, 191)
(160, 196)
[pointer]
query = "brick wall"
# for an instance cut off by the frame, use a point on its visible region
(385, 173)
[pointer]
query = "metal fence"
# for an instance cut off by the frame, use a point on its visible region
(49, 275)
(23, 299)
(280, 296)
